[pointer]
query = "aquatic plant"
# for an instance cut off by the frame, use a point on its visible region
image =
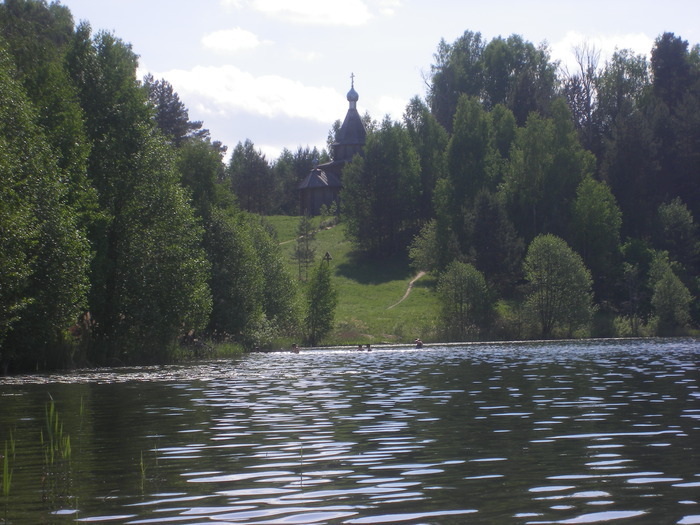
(55, 444)
(7, 471)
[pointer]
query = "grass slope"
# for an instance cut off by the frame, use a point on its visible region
(367, 290)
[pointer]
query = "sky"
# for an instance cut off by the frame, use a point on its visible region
(277, 72)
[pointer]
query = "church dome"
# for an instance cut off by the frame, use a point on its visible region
(352, 95)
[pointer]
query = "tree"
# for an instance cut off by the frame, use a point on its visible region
(518, 75)
(305, 249)
(467, 155)
(279, 289)
(321, 301)
(595, 232)
(236, 278)
(45, 254)
(251, 178)
(458, 69)
(677, 233)
(424, 249)
(149, 275)
(560, 294)
(631, 169)
(465, 302)
(498, 249)
(430, 140)
(381, 192)
(671, 68)
(547, 165)
(580, 88)
(621, 86)
(199, 164)
(171, 115)
(671, 299)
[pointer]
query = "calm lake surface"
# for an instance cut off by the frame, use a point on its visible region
(584, 432)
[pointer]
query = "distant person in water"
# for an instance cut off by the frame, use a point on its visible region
(295, 348)
(359, 348)
(369, 348)
(419, 343)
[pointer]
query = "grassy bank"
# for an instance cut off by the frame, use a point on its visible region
(367, 290)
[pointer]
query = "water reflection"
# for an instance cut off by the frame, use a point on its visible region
(593, 432)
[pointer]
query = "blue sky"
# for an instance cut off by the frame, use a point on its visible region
(277, 71)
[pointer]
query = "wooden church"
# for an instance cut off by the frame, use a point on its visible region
(323, 183)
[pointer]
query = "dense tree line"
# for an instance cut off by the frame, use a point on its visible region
(549, 202)
(528, 174)
(120, 232)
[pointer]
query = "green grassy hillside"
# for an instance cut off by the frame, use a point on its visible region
(367, 290)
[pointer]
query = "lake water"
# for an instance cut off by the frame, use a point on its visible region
(581, 432)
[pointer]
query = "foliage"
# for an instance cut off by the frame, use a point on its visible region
(321, 301)
(236, 280)
(596, 221)
(149, 274)
(670, 299)
(121, 226)
(381, 192)
(171, 115)
(304, 250)
(45, 255)
(423, 250)
(547, 165)
(560, 286)
(251, 178)
(466, 302)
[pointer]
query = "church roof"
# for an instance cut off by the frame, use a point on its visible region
(353, 130)
(317, 178)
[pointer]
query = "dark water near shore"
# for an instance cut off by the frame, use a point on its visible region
(585, 432)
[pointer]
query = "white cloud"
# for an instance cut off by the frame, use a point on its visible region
(388, 7)
(563, 50)
(227, 90)
(231, 40)
(392, 106)
(311, 12)
(306, 56)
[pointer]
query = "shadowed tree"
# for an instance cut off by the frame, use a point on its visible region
(466, 305)
(171, 115)
(321, 301)
(381, 192)
(560, 294)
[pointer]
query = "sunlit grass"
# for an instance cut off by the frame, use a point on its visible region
(367, 290)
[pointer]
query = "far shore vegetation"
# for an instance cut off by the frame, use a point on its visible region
(518, 200)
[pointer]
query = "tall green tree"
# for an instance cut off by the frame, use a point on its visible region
(670, 297)
(466, 302)
(43, 268)
(149, 273)
(171, 115)
(236, 279)
(279, 289)
(468, 154)
(430, 140)
(547, 165)
(381, 192)
(305, 247)
(457, 70)
(321, 301)
(251, 178)
(560, 295)
(201, 170)
(596, 222)
(497, 249)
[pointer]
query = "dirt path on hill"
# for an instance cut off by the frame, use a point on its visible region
(408, 290)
